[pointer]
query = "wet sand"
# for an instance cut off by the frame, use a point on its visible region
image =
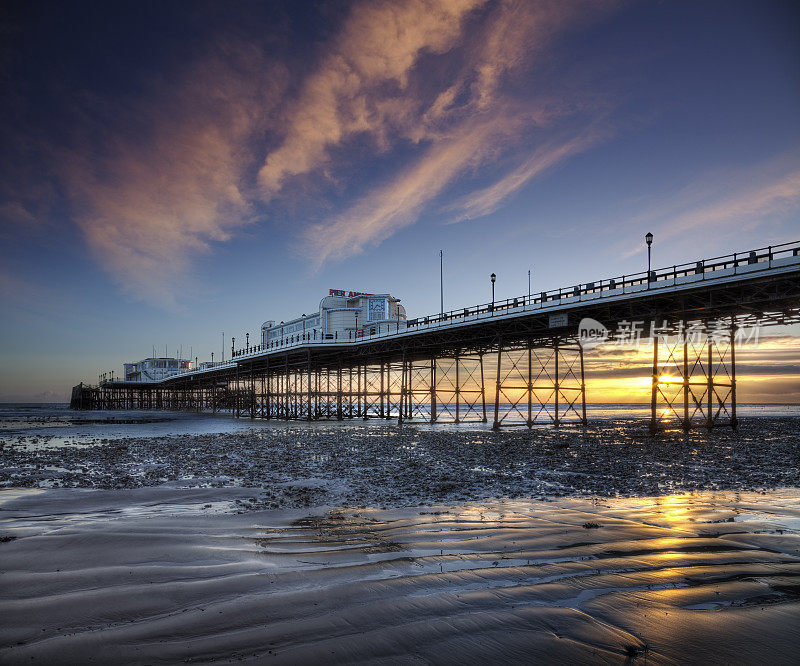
(383, 465)
(167, 575)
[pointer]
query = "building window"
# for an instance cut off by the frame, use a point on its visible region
(377, 309)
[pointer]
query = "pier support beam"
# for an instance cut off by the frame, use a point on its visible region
(694, 375)
(540, 381)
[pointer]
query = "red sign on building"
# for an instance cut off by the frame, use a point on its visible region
(347, 294)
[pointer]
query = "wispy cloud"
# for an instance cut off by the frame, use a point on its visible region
(544, 158)
(388, 209)
(744, 198)
(15, 214)
(151, 199)
(753, 197)
(471, 122)
(154, 179)
(362, 84)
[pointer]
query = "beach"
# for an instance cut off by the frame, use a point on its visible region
(378, 544)
(381, 464)
(387, 332)
(169, 576)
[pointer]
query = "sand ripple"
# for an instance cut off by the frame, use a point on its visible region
(706, 577)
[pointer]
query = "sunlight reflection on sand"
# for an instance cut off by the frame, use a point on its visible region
(704, 576)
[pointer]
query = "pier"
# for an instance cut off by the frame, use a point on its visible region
(515, 362)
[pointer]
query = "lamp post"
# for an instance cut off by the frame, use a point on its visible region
(233, 347)
(493, 277)
(441, 283)
(247, 344)
(649, 239)
(529, 287)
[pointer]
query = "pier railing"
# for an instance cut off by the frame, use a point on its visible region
(728, 265)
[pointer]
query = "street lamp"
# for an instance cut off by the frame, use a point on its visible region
(529, 287)
(649, 238)
(247, 344)
(494, 277)
(441, 283)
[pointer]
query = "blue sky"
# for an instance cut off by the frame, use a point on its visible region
(173, 170)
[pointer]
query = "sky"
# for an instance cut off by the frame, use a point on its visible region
(174, 171)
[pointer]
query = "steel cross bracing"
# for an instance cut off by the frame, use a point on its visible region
(434, 387)
(310, 391)
(458, 394)
(694, 374)
(539, 383)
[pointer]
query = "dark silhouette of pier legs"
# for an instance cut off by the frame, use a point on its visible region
(694, 375)
(539, 381)
(536, 379)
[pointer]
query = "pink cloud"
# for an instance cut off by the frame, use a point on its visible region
(761, 196)
(397, 204)
(16, 214)
(746, 197)
(149, 201)
(470, 123)
(362, 83)
(544, 158)
(153, 182)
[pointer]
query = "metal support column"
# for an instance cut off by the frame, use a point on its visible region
(686, 422)
(654, 385)
(433, 389)
(556, 385)
(267, 399)
(496, 424)
(458, 389)
(308, 378)
(483, 388)
(286, 387)
(252, 393)
(263, 394)
(339, 415)
(236, 403)
(583, 387)
(530, 383)
(382, 387)
(710, 386)
(734, 419)
(403, 396)
(360, 412)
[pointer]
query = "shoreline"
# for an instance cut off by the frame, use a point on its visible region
(392, 466)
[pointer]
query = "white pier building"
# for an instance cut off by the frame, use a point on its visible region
(155, 369)
(342, 315)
